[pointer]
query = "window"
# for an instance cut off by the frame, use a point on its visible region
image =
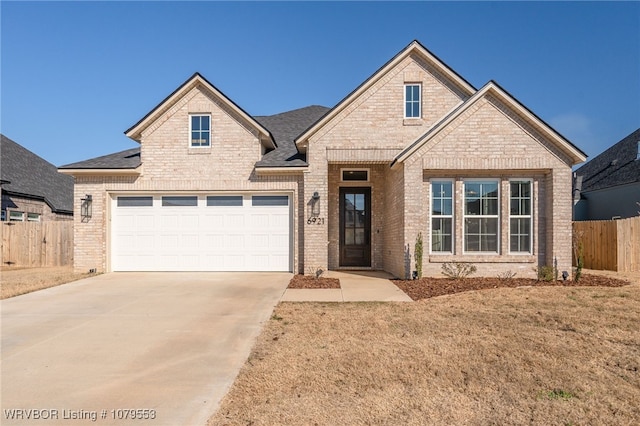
(16, 216)
(441, 216)
(3, 215)
(224, 201)
(355, 175)
(520, 216)
(270, 200)
(481, 209)
(412, 101)
(180, 201)
(200, 130)
(33, 217)
(135, 201)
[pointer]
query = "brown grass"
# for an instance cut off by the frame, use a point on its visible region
(536, 355)
(16, 281)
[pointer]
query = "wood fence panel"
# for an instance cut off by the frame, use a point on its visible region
(37, 244)
(612, 245)
(629, 244)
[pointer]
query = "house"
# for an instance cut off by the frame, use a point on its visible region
(415, 149)
(32, 188)
(608, 186)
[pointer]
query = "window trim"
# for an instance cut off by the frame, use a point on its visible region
(354, 169)
(22, 216)
(176, 198)
(406, 101)
(451, 216)
(498, 216)
(530, 216)
(190, 144)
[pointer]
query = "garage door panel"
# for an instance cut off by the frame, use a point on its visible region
(202, 237)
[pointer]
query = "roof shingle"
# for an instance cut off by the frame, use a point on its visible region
(32, 176)
(615, 166)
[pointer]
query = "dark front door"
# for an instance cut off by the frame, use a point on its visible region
(355, 226)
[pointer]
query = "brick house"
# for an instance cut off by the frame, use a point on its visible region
(32, 189)
(415, 149)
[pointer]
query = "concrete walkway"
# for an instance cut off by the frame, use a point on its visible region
(356, 286)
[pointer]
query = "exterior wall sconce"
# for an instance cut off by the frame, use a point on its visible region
(85, 208)
(315, 204)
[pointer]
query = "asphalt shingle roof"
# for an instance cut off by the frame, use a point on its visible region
(285, 127)
(127, 159)
(32, 176)
(615, 166)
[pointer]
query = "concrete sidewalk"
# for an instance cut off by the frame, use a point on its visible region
(356, 286)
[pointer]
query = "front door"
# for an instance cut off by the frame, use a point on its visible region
(355, 227)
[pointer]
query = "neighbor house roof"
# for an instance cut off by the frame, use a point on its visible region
(285, 127)
(25, 174)
(494, 89)
(618, 165)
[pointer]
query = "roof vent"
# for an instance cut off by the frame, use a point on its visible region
(638, 152)
(614, 162)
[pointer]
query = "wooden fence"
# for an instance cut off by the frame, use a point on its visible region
(613, 245)
(37, 244)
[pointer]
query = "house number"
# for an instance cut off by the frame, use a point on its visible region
(315, 221)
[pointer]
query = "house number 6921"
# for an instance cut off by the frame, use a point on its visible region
(315, 221)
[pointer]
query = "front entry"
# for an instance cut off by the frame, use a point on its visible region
(355, 227)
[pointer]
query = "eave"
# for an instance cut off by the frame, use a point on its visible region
(102, 172)
(569, 149)
(413, 48)
(135, 131)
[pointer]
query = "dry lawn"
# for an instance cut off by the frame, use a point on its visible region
(536, 355)
(16, 281)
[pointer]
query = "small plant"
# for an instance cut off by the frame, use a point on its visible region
(578, 253)
(507, 275)
(276, 317)
(315, 271)
(418, 255)
(546, 273)
(559, 394)
(458, 270)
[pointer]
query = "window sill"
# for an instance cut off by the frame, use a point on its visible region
(482, 258)
(199, 151)
(413, 122)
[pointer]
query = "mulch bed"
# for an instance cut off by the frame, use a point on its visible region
(308, 281)
(425, 288)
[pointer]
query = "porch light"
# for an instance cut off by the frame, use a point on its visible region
(315, 204)
(85, 207)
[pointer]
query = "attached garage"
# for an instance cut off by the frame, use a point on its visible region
(201, 232)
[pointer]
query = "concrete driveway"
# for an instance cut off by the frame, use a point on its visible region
(168, 345)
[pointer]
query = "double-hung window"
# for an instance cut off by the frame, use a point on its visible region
(200, 130)
(520, 216)
(441, 216)
(481, 216)
(412, 101)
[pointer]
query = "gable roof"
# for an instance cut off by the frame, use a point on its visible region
(127, 159)
(415, 47)
(615, 166)
(23, 173)
(285, 127)
(135, 131)
(494, 89)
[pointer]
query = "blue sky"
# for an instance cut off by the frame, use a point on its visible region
(76, 75)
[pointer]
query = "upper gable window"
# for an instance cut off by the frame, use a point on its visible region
(200, 130)
(412, 100)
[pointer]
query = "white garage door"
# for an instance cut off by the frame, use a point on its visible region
(201, 233)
